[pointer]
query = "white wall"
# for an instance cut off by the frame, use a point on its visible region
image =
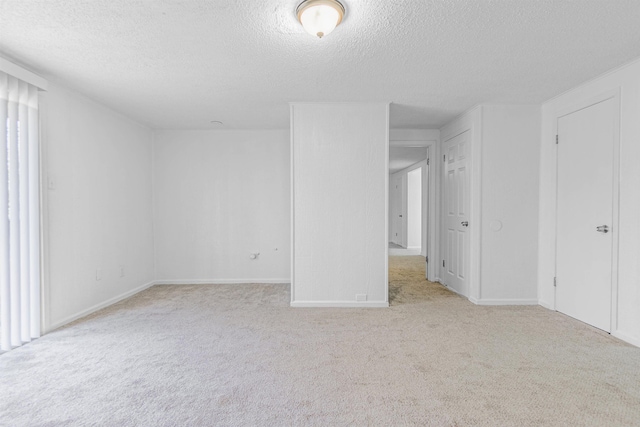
(406, 199)
(97, 211)
(509, 234)
(503, 199)
(218, 197)
(340, 188)
(395, 208)
(414, 209)
(626, 82)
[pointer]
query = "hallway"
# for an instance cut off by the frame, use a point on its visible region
(407, 283)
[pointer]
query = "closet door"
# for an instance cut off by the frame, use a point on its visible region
(585, 213)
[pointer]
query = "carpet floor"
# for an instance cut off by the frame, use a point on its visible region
(238, 355)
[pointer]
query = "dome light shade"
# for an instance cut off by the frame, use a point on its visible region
(320, 17)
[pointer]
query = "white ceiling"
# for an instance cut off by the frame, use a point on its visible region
(184, 63)
(403, 157)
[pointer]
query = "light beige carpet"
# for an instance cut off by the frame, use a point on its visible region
(232, 355)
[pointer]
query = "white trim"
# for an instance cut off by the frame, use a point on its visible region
(475, 203)
(97, 307)
(404, 252)
(454, 291)
(337, 103)
(515, 301)
(292, 207)
(627, 338)
(340, 304)
(221, 281)
(154, 221)
(412, 143)
(546, 305)
(433, 240)
(386, 213)
(23, 74)
(607, 73)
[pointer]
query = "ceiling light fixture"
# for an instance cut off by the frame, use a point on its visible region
(320, 17)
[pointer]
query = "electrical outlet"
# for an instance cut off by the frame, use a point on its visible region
(361, 297)
(98, 274)
(121, 271)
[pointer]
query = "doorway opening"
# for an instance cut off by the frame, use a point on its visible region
(406, 230)
(408, 202)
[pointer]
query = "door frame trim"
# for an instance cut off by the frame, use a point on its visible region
(614, 94)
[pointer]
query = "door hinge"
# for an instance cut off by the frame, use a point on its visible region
(557, 139)
(555, 282)
(444, 158)
(443, 263)
(427, 260)
(427, 162)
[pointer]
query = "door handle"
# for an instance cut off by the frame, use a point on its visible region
(465, 223)
(602, 229)
(400, 216)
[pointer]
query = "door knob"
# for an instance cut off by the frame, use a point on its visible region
(465, 223)
(602, 229)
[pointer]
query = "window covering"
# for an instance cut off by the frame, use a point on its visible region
(19, 213)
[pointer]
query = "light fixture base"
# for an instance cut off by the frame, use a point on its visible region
(321, 17)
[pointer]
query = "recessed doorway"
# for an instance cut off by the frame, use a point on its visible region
(408, 200)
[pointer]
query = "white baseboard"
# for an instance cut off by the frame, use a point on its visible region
(414, 248)
(546, 305)
(403, 252)
(341, 304)
(97, 307)
(624, 337)
(458, 293)
(221, 281)
(513, 301)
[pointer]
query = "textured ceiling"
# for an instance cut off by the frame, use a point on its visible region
(181, 64)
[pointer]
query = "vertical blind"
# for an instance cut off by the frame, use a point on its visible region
(19, 213)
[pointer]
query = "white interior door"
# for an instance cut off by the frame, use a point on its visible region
(585, 214)
(456, 213)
